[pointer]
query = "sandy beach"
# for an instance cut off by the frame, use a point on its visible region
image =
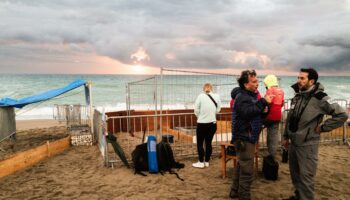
(37, 124)
(30, 134)
(78, 173)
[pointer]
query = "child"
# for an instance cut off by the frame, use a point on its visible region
(274, 115)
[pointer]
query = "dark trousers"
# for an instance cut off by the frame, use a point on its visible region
(205, 132)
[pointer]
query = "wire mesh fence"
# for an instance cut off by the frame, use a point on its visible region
(99, 134)
(74, 116)
(163, 105)
(178, 89)
(181, 124)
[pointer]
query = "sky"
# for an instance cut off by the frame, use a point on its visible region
(140, 37)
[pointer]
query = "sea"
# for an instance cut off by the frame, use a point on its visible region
(112, 92)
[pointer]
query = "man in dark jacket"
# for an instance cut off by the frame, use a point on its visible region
(246, 125)
(303, 128)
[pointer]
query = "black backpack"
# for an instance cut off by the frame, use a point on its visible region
(140, 159)
(165, 158)
(270, 168)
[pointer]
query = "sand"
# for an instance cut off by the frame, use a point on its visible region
(37, 123)
(30, 134)
(78, 173)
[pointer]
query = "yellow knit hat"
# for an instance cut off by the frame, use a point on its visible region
(270, 80)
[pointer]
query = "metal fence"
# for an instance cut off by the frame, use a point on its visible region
(178, 89)
(74, 116)
(182, 126)
(163, 105)
(99, 134)
(132, 130)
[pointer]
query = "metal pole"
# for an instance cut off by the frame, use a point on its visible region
(91, 107)
(161, 101)
(105, 133)
(128, 106)
(155, 106)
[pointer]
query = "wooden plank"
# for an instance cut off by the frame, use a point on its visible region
(59, 146)
(30, 157)
(22, 160)
(178, 135)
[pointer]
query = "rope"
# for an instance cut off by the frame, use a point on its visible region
(38, 104)
(7, 136)
(24, 111)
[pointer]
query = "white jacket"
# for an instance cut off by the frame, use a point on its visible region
(204, 108)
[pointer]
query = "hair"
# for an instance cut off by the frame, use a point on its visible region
(244, 78)
(312, 73)
(207, 88)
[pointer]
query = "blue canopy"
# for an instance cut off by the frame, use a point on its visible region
(20, 103)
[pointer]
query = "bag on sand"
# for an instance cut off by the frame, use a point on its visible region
(284, 155)
(231, 151)
(140, 159)
(165, 158)
(270, 168)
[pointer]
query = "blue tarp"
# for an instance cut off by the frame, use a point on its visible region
(20, 103)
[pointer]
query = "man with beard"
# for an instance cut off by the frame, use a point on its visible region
(303, 128)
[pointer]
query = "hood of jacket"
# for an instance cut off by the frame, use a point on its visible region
(235, 91)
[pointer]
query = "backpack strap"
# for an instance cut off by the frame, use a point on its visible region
(170, 158)
(216, 105)
(177, 175)
(140, 173)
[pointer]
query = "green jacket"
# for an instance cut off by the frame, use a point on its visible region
(306, 113)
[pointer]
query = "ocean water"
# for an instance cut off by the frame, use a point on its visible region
(110, 91)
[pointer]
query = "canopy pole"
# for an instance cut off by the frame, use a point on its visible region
(89, 83)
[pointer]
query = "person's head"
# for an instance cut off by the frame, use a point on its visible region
(307, 78)
(207, 88)
(248, 80)
(270, 81)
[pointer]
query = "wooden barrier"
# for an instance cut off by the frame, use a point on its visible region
(30, 157)
(179, 135)
(188, 119)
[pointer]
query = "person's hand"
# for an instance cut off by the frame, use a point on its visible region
(269, 98)
(285, 143)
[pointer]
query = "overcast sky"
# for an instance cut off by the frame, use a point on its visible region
(87, 36)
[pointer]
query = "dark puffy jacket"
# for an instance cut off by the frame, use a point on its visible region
(246, 116)
(235, 91)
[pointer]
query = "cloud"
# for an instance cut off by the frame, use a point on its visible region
(224, 34)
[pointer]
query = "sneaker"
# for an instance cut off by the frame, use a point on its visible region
(198, 165)
(206, 164)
